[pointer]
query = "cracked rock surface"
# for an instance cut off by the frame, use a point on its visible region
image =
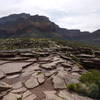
(45, 78)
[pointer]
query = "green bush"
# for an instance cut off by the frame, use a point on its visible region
(79, 88)
(89, 85)
(94, 91)
(91, 77)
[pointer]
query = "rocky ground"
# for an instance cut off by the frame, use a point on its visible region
(31, 75)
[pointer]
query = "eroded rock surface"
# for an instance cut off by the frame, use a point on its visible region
(40, 76)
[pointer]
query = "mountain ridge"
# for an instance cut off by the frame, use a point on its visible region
(26, 25)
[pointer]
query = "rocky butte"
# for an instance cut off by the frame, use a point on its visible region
(26, 25)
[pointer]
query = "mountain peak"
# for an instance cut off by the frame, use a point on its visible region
(37, 26)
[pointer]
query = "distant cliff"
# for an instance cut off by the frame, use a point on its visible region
(25, 25)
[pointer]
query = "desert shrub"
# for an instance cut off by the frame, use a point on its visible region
(94, 91)
(91, 77)
(89, 85)
(78, 87)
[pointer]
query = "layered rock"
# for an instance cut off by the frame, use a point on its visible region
(45, 78)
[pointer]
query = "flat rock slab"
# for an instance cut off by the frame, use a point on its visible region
(49, 66)
(50, 73)
(31, 83)
(3, 93)
(51, 95)
(4, 86)
(27, 93)
(68, 96)
(59, 80)
(45, 59)
(72, 78)
(20, 90)
(75, 69)
(30, 70)
(16, 59)
(28, 96)
(11, 96)
(58, 83)
(3, 62)
(12, 68)
(2, 74)
(31, 60)
(67, 65)
(17, 85)
(12, 76)
(85, 56)
(39, 76)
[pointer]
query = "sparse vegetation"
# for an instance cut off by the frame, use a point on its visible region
(24, 43)
(89, 85)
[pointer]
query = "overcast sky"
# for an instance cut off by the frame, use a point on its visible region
(70, 14)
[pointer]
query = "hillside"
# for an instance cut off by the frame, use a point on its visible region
(25, 25)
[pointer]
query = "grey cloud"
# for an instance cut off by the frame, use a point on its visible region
(81, 14)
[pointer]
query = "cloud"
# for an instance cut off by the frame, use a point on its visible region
(76, 14)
